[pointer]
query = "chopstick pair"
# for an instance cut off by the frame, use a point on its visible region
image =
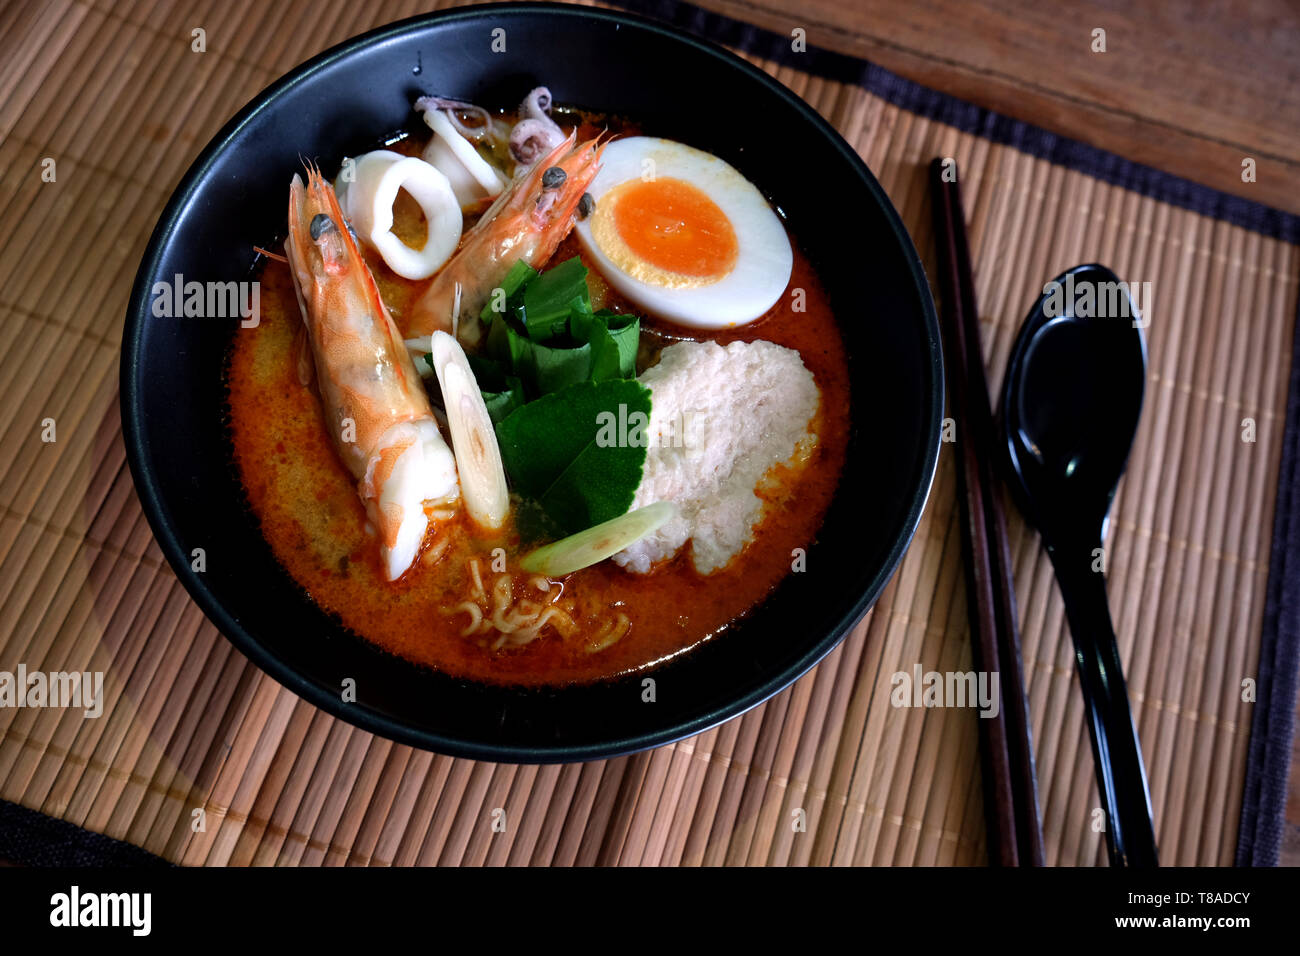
(1010, 787)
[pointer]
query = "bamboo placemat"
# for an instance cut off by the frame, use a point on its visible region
(116, 96)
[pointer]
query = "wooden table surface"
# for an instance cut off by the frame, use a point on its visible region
(1191, 88)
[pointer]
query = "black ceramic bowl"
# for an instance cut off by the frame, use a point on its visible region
(343, 102)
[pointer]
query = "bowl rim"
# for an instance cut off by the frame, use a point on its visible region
(377, 721)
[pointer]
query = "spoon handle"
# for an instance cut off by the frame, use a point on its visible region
(1121, 776)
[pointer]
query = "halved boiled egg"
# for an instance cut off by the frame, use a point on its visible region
(683, 235)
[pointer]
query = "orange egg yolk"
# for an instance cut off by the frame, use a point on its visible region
(674, 226)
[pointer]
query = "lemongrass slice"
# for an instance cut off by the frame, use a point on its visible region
(594, 545)
(470, 175)
(478, 457)
(422, 345)
(368, 202)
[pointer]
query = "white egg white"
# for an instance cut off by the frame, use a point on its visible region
(764, 260)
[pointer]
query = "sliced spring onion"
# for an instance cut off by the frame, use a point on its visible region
(594, 545)
(478, 457)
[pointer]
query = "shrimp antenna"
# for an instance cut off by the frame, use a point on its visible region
(269, 254)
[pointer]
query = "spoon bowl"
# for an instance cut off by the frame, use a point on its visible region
(1079, 379)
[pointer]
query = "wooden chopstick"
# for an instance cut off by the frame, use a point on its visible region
(1010, 786)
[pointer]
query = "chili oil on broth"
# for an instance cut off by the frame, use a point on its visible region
(310, 514)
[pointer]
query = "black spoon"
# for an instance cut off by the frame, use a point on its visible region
(1070, 407)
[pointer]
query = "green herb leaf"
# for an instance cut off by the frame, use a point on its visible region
(552, 368)
(513, 351)
(613, 337)
(520, 274)
(547, 342)
(551, 453)
(604, 355)
(592, 489)
(551, 297)
(626, 332)
(487, 373)
(501, 403)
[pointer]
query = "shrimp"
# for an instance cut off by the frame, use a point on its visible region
(527, 221)
(376, 409)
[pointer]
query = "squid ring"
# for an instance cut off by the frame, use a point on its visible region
(368, 199)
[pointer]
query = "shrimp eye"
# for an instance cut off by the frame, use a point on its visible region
(553, 178)
(321, 223)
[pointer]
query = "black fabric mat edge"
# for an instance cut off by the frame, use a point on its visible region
(1268, 762)
(30, 838)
